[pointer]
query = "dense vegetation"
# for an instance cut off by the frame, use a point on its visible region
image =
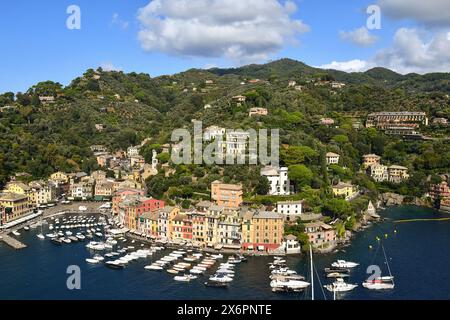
(39, 138)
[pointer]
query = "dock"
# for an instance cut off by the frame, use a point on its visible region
(12, 242)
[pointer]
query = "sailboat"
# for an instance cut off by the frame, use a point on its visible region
(381, 283)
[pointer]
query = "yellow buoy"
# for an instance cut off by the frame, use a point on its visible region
(378, 238)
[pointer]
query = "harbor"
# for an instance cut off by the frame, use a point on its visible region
(407, 255)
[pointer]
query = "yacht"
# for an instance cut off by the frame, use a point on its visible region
(288, 284)
(26, 228)
(93, 261)
(56, 241)
(340, 286)
(50, 235)
(154, 267)
(185, 278)
(344, 264)
(379, 283)
(41, 236)
(220, 278)
(16, 233)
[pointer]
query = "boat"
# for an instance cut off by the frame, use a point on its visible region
(216, 284)
(16, 233)
(73, 239)
(174, 271)
(98, 257)
(344, 264)
(80, 237)
(50, 235)
(336, 270)
(154, 267)
(337, 275)
(26, 228)
(196, 271)
(92, 261)
(66, 240)
(287, 284)
(340, 286)
(41, 236)
(217, 256)
(185, 278)
(220, 278)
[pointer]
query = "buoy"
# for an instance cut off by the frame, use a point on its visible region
(395, 231)
(385, 235)
(370, 247)
(378, 238)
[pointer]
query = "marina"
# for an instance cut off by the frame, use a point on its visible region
(138, 270)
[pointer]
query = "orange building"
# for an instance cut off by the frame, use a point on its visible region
(226, 195)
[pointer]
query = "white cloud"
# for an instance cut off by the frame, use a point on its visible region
(347, 66)
(427, 12)
(118, 21)
(416, 51)
(413, 50)
(361, 37)
(243, 31)
(108, 66)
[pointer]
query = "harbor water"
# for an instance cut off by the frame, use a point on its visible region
(418, 253)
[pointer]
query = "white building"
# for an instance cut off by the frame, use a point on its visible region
(81, 191)
(332, 158)
(133, 151)
(291, 244)
(213, 132)
(235, 143)
(291, 209)
(379, 172)
(278, 180)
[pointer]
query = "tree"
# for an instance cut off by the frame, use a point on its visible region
(263, 186)
(300, 175)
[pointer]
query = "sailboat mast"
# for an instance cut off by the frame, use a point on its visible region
(387, 262)
(312, 272)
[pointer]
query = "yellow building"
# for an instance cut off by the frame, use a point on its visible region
(15, 206)
(59, 177)
(262, 230)
(345, 190)
(18, 187)
(397, 173)
(370, 159)
(148, 224)
(199, 226)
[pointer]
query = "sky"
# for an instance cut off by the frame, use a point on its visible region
(48, 40)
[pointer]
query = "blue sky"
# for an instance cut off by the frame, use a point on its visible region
(37, 46)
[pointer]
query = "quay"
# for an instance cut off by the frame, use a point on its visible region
(12, 242)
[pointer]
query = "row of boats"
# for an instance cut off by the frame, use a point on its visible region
(189, 265)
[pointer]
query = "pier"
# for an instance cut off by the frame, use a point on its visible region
(14, 243)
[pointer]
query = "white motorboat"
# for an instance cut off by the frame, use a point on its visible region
(98, 257)
(196, 271)
(220, 278)
(284, 271)
(41, 236)
(287, 284)
(66, 240)
(51, 235)
(80, 236)
(185, 278)
(93, 261)
(225, 271)
(344, 264)
(16, 233)
(340, 286)
(26, 228)
(154, 267)
(217, 256)
(379, 283)
(199, 268)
